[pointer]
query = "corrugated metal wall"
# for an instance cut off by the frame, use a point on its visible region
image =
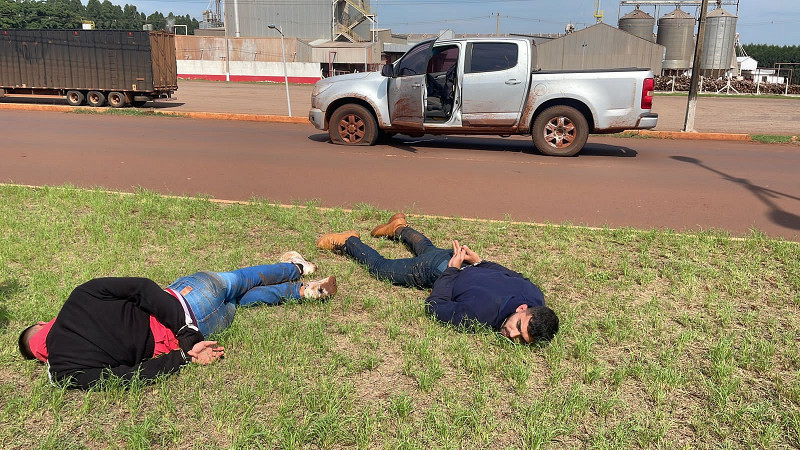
(308, 19)
(80, 59)
(600, 46)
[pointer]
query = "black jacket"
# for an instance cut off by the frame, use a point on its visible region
(104, 326)
(486, 293)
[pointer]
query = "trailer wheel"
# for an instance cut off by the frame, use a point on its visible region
(117, 100)
(353, 125)
(95, 98)
(75, 98)
(138, 103)
(560, 131)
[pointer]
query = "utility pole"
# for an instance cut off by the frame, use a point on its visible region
(691, 106)
(285, 72)
(498, 24)
(236, 16)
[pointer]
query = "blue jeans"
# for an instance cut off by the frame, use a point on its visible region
(421, 271)
(214, 296)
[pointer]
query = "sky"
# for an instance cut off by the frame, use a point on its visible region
(760, 21)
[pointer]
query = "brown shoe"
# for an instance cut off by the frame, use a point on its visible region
(335, 241)
(325, 287)
(390, 228)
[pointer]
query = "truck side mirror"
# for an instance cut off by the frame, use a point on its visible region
(388, 71)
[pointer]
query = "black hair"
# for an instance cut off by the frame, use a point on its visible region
(543, 324)
(24, 343)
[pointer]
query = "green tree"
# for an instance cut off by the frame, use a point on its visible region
(68, 14)
(768, 55)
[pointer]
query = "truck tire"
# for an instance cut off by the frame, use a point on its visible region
(75, 98)
(353, 125)
(560, 131)
(95, 98)
(117, 100)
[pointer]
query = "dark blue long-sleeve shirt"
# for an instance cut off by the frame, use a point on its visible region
(487, 293)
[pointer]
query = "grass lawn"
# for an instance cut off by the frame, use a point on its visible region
(667, 339)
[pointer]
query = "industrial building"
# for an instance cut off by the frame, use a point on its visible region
(331, 37)
(335, 20)
(676, 32)
(599, 46)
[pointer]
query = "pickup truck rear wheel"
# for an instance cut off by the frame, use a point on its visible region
(560, 131)
(353, 125)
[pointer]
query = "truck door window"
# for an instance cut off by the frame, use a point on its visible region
(491, 56)
(415, 61)
(443, 59)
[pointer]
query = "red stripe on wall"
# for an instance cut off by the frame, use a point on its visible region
(276, 79)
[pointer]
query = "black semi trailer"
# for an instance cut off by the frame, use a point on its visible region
(89, 66)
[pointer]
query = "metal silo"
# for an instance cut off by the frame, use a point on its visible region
(718, 43)
(638, 23)
(676, 34)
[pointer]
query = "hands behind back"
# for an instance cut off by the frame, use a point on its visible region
(206, 352)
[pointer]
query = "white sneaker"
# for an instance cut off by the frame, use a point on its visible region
(306, 267)
(320, 288)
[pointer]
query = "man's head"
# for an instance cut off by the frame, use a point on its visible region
(530, 324)
(25, 339)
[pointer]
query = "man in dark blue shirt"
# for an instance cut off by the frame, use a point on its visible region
(465, 287)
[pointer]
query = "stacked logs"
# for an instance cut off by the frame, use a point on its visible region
(664, 84)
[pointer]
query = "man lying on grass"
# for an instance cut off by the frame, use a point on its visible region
(130, 327)
(465, 287)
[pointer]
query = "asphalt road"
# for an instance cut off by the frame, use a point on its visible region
(643, 183)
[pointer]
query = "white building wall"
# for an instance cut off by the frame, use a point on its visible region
(298, 72)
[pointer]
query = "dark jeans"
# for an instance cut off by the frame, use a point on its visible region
(421, 271)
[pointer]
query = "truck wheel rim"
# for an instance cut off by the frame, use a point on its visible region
(94, 98)
(559, 132)
(114, 100)
(73, 97)
(352, 128)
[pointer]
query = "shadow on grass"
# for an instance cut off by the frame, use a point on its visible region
(765, 195)
(7, 289)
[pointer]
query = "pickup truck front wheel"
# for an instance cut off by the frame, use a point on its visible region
(560, 131)
(353, 125)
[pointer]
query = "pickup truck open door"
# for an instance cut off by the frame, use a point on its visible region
(406, 88)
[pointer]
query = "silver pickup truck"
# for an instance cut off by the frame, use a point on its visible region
(489, 86)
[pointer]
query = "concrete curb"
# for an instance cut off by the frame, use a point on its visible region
(691, 135)
(187, 114)
(304, 120)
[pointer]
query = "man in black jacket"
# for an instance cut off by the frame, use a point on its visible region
(131, 327)
(465, 287)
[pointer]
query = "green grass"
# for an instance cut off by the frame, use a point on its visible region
(667, 339)
(121, 112)
(771, 138)
(762, 138)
